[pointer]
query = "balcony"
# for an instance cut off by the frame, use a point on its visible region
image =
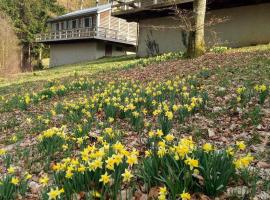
(121, 8)
(99, 33)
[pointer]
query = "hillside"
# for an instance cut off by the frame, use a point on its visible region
(72, 5)
(127, 128)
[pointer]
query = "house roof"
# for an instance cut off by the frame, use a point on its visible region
(83, 12)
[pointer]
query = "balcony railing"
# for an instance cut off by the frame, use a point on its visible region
(87, 33)
(128, 6)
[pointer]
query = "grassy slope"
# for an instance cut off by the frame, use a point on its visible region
(18, 82)
(229, 70)
(118, 66)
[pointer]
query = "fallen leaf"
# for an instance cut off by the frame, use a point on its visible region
(263, 165)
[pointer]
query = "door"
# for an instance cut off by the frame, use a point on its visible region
(108, 50)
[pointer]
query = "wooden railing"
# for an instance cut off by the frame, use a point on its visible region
(120, 6)
(85, 33)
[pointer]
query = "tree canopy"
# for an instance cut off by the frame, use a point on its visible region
(29, 18)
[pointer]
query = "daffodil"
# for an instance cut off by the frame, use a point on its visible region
(243, 162)
(15, 181)
(11, 170)
(132, 159)
(2, 152)
(55, 193)
(105, 178)
(185, 196)
(159, 133)
(169, 115)
(169, 137)
(44, 180)
(208, 147)
(162, 193)
(241, 145)
(27, 176)
(193, 163)
(127, 175)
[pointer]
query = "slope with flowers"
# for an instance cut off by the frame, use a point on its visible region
(178, 129)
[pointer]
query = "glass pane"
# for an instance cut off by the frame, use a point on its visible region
(87, 22)
(74, 24)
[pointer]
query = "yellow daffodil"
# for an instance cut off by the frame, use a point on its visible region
(169, 137)
(169, 115)
(105, 178)
(185, 196)
(11, 170)
(193, 163)
(159, 133)
(15, 181)
(241, 145)
(162, 193)
(243, 162)
(127, 175)
(132, 159)
(208, 147)
(44, 180)
(55, 193)
(2, 152)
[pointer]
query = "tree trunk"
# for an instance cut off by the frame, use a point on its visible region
(26, 63)
(196, 46)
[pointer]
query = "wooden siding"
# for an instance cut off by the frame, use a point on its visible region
(122, 26)
(104, 26)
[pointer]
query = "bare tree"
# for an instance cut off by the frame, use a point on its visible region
(196, 44)
(191, 24)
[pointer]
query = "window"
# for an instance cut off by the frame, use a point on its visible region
(88, 22)
(74, 24)
(57, 28)
(70, 24)
(65, 25)
(61, 25)
(119, 48)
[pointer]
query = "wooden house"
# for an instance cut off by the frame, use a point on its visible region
(243, 23)
(88, 34)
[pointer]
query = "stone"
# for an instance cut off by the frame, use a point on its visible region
(217, 109)
(211, 133)
(34, 187)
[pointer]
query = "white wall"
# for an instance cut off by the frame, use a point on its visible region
(246, 25)
(69, 53)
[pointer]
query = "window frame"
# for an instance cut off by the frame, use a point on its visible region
(90, 22)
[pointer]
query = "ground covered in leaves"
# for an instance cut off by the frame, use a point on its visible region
(126, 133)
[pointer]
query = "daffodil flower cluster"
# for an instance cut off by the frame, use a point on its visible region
(163, 102)
(52, 140)
(175, 162)
(13, 183)
(245, 94)
(104, 165)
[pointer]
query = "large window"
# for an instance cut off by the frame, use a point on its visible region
(57, 28)
(74, 24)
(88, 22)
(61, 25)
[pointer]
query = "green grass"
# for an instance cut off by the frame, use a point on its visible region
(18, 82)
(87, 68)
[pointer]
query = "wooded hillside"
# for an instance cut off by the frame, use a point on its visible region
(71, 5)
